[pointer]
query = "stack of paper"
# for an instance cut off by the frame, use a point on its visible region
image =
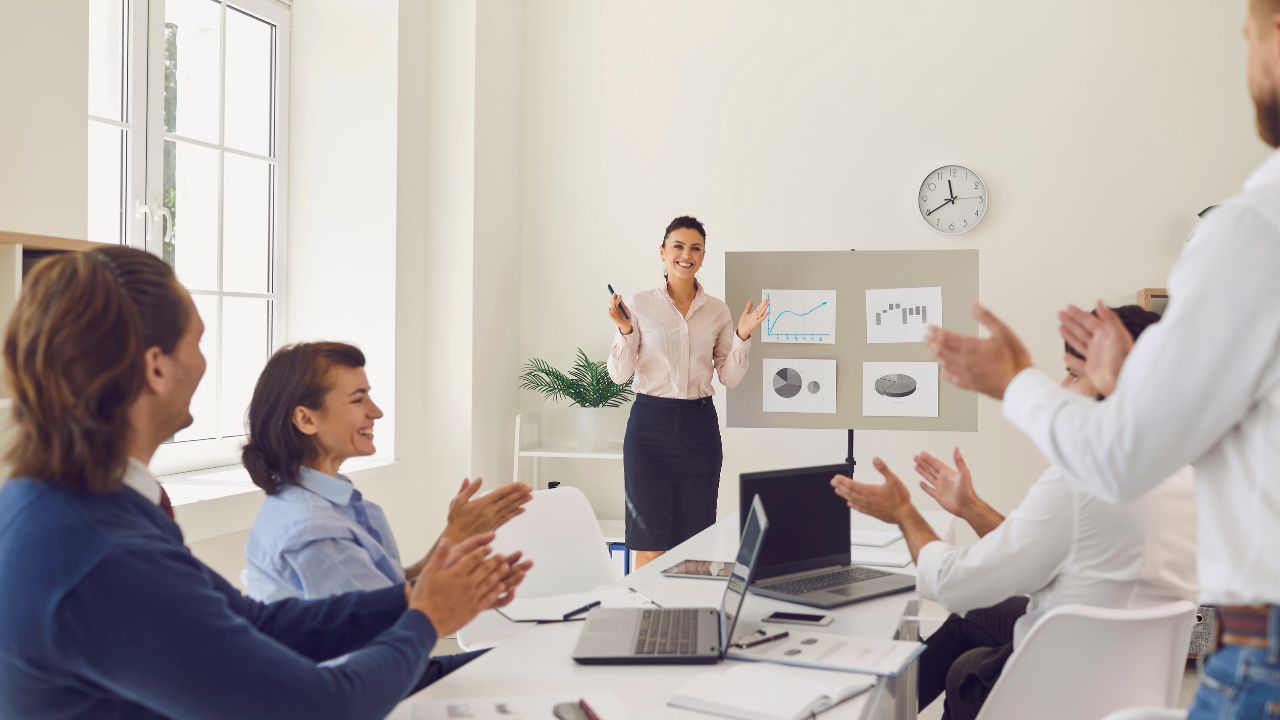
(769, 692)
(829, 651)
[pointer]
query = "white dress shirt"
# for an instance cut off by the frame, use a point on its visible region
(674, 355)
(138, 477)
(1202, 386)
(1062, 546)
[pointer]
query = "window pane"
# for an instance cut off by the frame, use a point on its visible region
(106, 182)
(191, 194)
(246, 224)
(246, 327)
(250, 60)
(204, 404)
(192, 39)
(106, 58)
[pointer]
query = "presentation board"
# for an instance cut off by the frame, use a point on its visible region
(842, 346)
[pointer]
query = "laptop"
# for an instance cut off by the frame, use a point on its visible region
(807, 558)
(628, 636)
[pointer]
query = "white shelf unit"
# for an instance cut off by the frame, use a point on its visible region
(536, 439)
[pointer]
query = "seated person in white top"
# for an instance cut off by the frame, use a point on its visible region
(1060, 546)
(316, 535)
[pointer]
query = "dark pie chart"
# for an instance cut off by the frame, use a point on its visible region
(894, 386)
(787, 383)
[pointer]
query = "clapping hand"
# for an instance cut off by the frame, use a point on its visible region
(951, 487)
(985, 365)
(468, 517)
(751, 319)
(1102, 339)
(886, 502)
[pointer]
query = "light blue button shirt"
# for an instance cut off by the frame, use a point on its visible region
(320, 538)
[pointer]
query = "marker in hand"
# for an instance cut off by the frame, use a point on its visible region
(621, 307)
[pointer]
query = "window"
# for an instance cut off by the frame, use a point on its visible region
(187, 116)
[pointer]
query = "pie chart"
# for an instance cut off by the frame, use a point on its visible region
(894, 386)
(787, 383)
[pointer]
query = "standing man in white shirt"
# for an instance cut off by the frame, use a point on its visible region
(1060, 546)
(1203, 387)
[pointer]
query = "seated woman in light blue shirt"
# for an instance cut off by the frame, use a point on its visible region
(316, 535)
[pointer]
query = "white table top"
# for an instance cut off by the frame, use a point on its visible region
(536, 658)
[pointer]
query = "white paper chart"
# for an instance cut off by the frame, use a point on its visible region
(900, 389)
(799, 386)
(901, 315)
(800, 316)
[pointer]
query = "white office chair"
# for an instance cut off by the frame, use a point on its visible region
(1084, 662)
(559, 532)
(1147, 714)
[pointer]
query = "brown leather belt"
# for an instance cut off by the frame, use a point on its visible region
(1244, 625)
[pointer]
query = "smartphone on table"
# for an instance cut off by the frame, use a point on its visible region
(791, 618)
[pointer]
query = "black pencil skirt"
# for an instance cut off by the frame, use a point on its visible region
(671, 459)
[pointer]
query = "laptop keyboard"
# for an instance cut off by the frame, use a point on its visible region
(668, 631)
(846, 576)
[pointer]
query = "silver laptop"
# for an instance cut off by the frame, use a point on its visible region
(807, 558)
(625, 636)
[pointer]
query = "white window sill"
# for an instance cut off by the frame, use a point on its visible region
(223, 500)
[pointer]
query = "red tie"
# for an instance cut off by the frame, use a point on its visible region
(165, 505)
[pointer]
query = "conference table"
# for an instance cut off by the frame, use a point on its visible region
(532, 659)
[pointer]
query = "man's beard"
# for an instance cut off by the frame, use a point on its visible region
(1268, 118)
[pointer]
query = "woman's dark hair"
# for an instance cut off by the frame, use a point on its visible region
(684, 221)
(74, 361)
(1135, 319)
(296, 375)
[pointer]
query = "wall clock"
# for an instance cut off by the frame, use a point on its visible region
(953, 199)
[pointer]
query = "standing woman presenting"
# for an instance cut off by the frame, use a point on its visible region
(674, 338)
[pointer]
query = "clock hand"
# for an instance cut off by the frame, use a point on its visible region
(973, 197)
(951, 190)
(944, 204)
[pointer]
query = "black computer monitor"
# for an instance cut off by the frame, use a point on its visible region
(808, 522)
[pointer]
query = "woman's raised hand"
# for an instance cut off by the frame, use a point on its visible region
(751, 319)
(616, 314)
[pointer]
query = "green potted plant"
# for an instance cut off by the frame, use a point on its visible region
(587, 385)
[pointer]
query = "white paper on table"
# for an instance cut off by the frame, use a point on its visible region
(605, 703)
(800, 317)
(900, 389)
(553, 607)
(902, 315)
(769, 691)
(799, 385)
(874, 538)
(834, 652)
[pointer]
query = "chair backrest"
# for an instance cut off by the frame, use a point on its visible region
(1081, 663)
(560, 534)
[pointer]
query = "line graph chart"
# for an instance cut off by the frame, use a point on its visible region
(801, 317)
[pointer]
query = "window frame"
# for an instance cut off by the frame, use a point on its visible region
(222, 450)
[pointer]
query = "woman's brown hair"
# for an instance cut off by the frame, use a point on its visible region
(73, 356)
(297, 375)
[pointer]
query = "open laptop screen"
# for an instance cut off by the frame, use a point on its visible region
(808, 522)
(748, 553)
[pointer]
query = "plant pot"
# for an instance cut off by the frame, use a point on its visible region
(593, 428)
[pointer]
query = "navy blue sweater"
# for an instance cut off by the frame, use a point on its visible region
(104, 613)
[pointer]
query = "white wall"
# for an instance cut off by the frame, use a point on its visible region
(44, 55)
(1100, 128)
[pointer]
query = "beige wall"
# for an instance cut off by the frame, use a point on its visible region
(1100, 128)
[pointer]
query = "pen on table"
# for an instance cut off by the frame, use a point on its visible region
(621, 307)
(591, 714)
(581, 610)
(644, 597)
(767, 638)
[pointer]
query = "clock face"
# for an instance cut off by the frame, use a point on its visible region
(952, 199)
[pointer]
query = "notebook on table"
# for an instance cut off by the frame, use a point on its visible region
(769, 692)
